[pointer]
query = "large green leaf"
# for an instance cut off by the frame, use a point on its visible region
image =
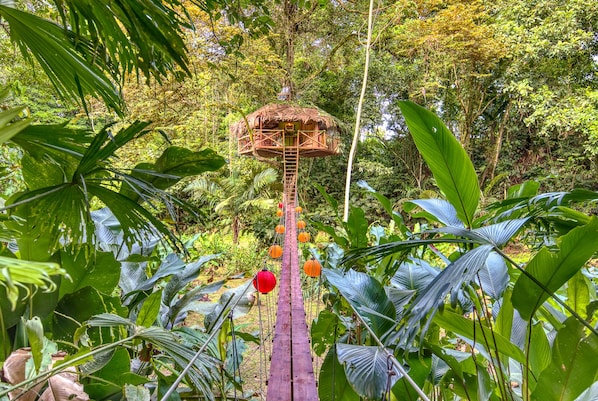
(554, 269)
(366, 368)
(573, 367)
(578, 292)
(461, 326)
(446, 158)
(8, 129)
(332, 381)
(70, 73)
(323, 331)
(173, 165)
(367, 296)
(98, 270)
(448, 281)
(419, 368)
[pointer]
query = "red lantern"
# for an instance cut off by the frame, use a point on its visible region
(264, 281)
(280, 205)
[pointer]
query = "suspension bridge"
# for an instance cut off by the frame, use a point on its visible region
(289, 133)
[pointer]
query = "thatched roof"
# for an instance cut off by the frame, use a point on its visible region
(272, 114)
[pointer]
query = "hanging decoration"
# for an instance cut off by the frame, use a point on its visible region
(275, 251)
(303, 236)
(312, 267)
(264, 281)
(299, 209)
(280, 205)
(301, 224)
(279, 212)
(279, 229)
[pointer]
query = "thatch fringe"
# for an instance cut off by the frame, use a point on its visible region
(272, 114)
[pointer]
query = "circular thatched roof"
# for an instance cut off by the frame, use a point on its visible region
(271, 115)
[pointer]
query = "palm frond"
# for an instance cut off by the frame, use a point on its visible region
(448, 281)
(440, 210)
(8, 127)
(70, 73)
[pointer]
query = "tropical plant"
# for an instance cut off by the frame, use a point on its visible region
(446, 312)
(236, 195)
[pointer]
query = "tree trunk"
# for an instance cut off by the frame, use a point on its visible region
(235, 228)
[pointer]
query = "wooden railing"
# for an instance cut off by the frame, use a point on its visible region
(279, 139)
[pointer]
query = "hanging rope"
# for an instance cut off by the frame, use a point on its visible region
(214, 331)
(235, 356)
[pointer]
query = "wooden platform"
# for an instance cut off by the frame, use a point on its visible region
(275, 142)
(291, 369)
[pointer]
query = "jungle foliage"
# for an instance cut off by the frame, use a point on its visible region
(466, 269)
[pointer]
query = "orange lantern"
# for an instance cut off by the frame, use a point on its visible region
(303, 236)
(312, 268)
(279, 229)
(298, 209)
(279, 212)
(275, 251)
(301, 224)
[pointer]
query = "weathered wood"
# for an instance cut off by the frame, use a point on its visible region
(291, 370)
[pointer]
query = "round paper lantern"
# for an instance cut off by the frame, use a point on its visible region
(279, 229)
(275, 251)
(279, 212)
(298, 209)
(312, 268)
(303, 236)
(301, 224)
(280, 205)
(264, 281)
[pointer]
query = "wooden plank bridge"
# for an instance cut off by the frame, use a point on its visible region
(291, 369)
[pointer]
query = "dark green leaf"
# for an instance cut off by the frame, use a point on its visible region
(553, 270)
(450, 165)
(332, 382)
(322, 330)
(419, 368)
(87, 268)
(72, 75)
(366, 368)
(573, 366)
(461, 326)
(367, 296)
(150, 308)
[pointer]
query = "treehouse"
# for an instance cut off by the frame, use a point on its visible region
(276, 129)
